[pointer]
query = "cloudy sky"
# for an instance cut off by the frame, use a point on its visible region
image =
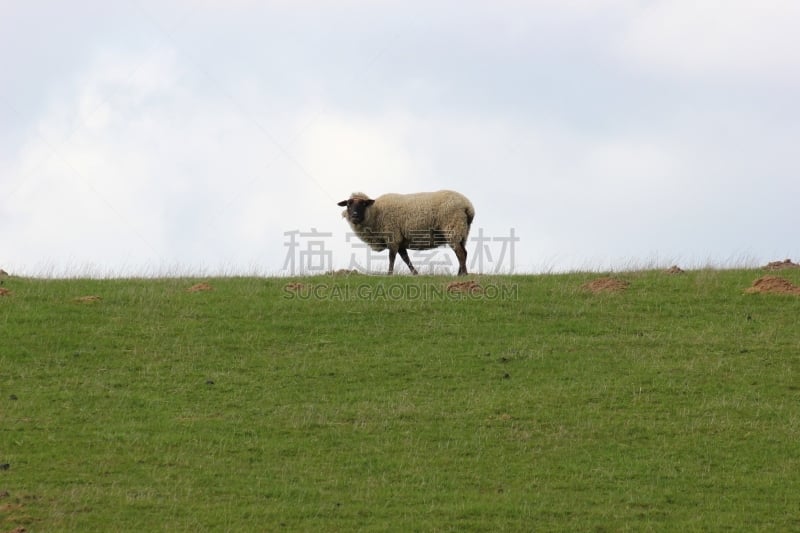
(146, 137)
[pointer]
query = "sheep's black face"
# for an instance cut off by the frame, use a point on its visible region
(356, 208)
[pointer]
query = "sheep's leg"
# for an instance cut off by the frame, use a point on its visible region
(404, 255)
(461, 254)
(392, 255)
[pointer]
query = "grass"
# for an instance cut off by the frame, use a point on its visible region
(375, 403)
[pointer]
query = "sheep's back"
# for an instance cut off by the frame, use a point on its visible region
(423, 209)
(408, 211)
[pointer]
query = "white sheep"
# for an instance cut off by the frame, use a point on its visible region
(418, 221)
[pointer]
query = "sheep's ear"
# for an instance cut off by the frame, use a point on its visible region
(342, 203)
(368, 203)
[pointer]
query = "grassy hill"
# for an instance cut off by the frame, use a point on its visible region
(376, 403)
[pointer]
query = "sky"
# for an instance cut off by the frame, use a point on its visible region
(211, 137)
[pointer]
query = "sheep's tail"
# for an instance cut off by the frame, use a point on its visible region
(470, 212)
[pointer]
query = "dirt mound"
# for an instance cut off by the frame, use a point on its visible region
(674, 269)
(773, 285)
(468, 287)
(780, 265)
(4, 292)
(88, 299)
(295, 286)
(200, 287)
(606, 285)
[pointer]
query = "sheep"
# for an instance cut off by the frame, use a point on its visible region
(418, 221)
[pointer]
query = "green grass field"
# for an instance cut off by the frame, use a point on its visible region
(377, 403)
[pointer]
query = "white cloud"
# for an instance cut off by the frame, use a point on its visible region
(137, 171)
(737, 39)
(355, 153)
